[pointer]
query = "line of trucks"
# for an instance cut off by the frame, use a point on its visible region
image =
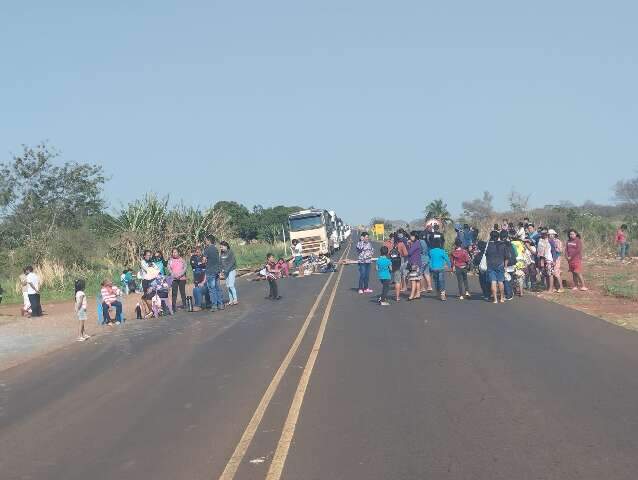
(321, 232)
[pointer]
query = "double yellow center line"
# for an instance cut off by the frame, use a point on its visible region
(283, 446)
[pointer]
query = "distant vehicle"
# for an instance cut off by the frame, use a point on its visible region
(313, 228)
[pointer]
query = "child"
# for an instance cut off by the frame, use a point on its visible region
(283, 267)
(297, 252)
(80, 308)
(438, 261)
(271, 276)
(414, 278)
(384, 275)
(460, 266)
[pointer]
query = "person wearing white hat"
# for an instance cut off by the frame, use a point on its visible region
(557, 251)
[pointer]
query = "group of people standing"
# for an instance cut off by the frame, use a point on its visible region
(513, 259)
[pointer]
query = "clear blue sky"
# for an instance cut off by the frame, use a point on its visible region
(396, 103)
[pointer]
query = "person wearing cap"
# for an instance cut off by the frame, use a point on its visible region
(557, 251)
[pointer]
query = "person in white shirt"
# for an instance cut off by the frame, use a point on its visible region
(33, 291)
(26, 305)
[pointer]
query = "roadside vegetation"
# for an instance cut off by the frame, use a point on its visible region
(53, 216)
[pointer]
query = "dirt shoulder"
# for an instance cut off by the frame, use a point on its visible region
(613, 294)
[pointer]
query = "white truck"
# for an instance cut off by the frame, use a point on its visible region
(313, 228)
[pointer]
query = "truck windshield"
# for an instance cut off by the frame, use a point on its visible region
(305, 223)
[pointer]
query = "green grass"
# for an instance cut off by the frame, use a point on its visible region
(621, 285)
(254, 254)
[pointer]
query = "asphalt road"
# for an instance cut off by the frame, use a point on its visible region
(417, 390)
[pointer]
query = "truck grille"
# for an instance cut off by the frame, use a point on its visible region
(311, 244)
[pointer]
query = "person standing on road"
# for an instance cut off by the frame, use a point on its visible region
(414, 259)
(574, 254)
(384, 265)
(546, 259)
(395, 259)
(439, 260)
(426, 286)
(201, 297)
(213, 267)
(365, 251)
(557, 252)
(622, 243)
(297, 253)
(177, 269)
(401, 244)
(26, 305)
(33, 291)
(80, 308)
(460, 266)
(271, 276)
(229, 267)
(496, 259)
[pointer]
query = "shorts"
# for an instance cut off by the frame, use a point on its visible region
(396, 276)
(576, 266)
(298, 261)
(425, 269)
(496, 274)
(81, 315)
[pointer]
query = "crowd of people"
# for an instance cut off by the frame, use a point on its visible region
(514, 258)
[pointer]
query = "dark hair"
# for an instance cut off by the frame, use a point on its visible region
(295, 241)
(281, 259)
(384, 250)
(435, 226)
(497, 226)
(80, 285)
(211, 238)
(531, 225)
(363, 234)
(494, 235)
(465, 225)
(145, 252)
(458, 242)
(225, 244)
(268, 255)
(623, 226)
(414, 234)
(503, 235)
(28, 268)
(573, 230)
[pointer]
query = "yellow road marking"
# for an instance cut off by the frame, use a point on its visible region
(249, 433)
(279, 459)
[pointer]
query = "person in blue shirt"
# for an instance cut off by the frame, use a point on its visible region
(384, 266)
(438, 261)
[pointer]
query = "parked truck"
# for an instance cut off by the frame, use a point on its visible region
(314, 228)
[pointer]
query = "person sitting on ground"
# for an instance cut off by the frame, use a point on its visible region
(109, 299)
(80, 309)
(297, 253)
(283, 267)
(496, 256)
(460, 266)
(384, 265)
(574, 254)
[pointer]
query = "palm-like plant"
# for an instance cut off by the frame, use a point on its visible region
(438, 209)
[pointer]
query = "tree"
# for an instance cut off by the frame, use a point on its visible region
(626, 191)
(518, 202)
(37, 197)
(437, 209)
(479, 208)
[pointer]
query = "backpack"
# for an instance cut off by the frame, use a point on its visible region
(395, 258)
(425, 252)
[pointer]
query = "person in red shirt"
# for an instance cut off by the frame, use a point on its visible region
(574, 254)
(621, 241)
(460, 266)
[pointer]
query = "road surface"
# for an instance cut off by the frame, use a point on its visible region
(417, 390)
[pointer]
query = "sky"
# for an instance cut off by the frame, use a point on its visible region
(365, 107)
